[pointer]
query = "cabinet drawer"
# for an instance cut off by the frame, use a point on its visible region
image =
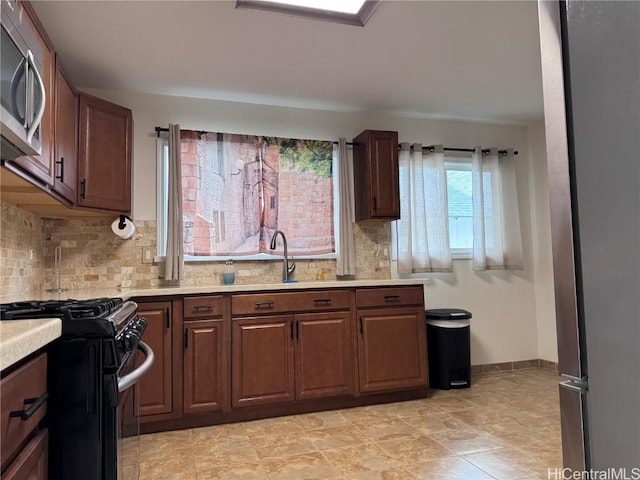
(22, 390)
(392, 296)
(32, 461)
(206, 306)
(311, 301)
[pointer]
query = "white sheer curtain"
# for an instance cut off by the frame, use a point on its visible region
(421, 236)
(345, 251)
(174, 266)
(497, 239)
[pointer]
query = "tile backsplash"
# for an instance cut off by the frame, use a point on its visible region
(93, 257)
(21, 251)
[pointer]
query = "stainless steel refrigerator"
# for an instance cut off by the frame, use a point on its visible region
(591, 82)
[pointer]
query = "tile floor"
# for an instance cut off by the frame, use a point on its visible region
(506, 427)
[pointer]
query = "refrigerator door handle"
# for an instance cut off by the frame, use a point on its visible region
(571, 378)
(576, 384)
(580, 388)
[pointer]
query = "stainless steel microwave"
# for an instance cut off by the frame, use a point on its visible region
(22, 91)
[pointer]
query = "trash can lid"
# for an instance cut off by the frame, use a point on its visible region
(447, 314)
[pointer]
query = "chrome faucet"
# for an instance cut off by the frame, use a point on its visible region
(287, 269)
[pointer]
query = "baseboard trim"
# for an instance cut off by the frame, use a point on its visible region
(510, 366)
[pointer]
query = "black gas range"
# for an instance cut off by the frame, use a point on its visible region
(93, 370)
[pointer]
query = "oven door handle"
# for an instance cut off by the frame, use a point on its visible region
(131, 378)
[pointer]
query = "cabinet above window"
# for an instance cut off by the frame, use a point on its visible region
(375, 174)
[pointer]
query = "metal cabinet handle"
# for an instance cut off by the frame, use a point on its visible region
(61, 163)
(83, 188)
(322, 301)
(35, 403)
(361, 326)
(204, 307)
(186, 339)
(292, 330)
(298, 329)
(264, 304)
(392, 298)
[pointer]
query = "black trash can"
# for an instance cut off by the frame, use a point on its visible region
(448, 344)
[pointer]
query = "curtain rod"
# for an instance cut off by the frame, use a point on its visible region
(471, 150)
(428, 147)
(164, 129)
(449, 149)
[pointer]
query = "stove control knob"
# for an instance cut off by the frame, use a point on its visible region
(124, 342)
(129, 341)
(120, 344)
(139, 325)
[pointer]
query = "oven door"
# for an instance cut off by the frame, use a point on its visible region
(128, 425)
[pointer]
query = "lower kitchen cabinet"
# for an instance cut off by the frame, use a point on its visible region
(323, 355)
(392, 351)
(23, 408)
(205, 379)
(32, 462)
(291, 357)
(228, 357)
(156, 387)
(262, 359)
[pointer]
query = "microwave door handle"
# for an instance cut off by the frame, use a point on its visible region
(38, 117)
(21, 71)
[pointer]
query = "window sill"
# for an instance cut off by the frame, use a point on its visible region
(247, 258)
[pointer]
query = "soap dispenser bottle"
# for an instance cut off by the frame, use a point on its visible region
(229, 273)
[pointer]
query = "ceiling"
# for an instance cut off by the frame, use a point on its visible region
(475, 60)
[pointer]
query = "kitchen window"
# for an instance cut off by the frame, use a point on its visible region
(455, 207)
(460, 206)
(238, 189)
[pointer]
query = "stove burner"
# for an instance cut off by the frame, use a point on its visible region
(96, 317)
(66, 310)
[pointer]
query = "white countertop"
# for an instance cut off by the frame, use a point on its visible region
(127, 293)
(266, 287)
(20, 338)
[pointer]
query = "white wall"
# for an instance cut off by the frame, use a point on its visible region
(504, 304)
(543, 266)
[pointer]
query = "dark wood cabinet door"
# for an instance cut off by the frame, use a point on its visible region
(156, 396)
(392, 351)
(205, 375)
(376, 184)
(31, 462)
(66, 136)
(40, 167)
(323, 355)
(104, 155)
(262, 359)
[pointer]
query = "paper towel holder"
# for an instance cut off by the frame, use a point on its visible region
(123, 227)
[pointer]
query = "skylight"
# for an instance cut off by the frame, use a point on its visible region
(351, 12)
(342, 6)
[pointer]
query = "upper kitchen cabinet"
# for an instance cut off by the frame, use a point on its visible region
(66, 135)
(375, 172)
(40, 168)
(104, 155)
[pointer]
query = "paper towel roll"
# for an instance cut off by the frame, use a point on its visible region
(127, 230)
